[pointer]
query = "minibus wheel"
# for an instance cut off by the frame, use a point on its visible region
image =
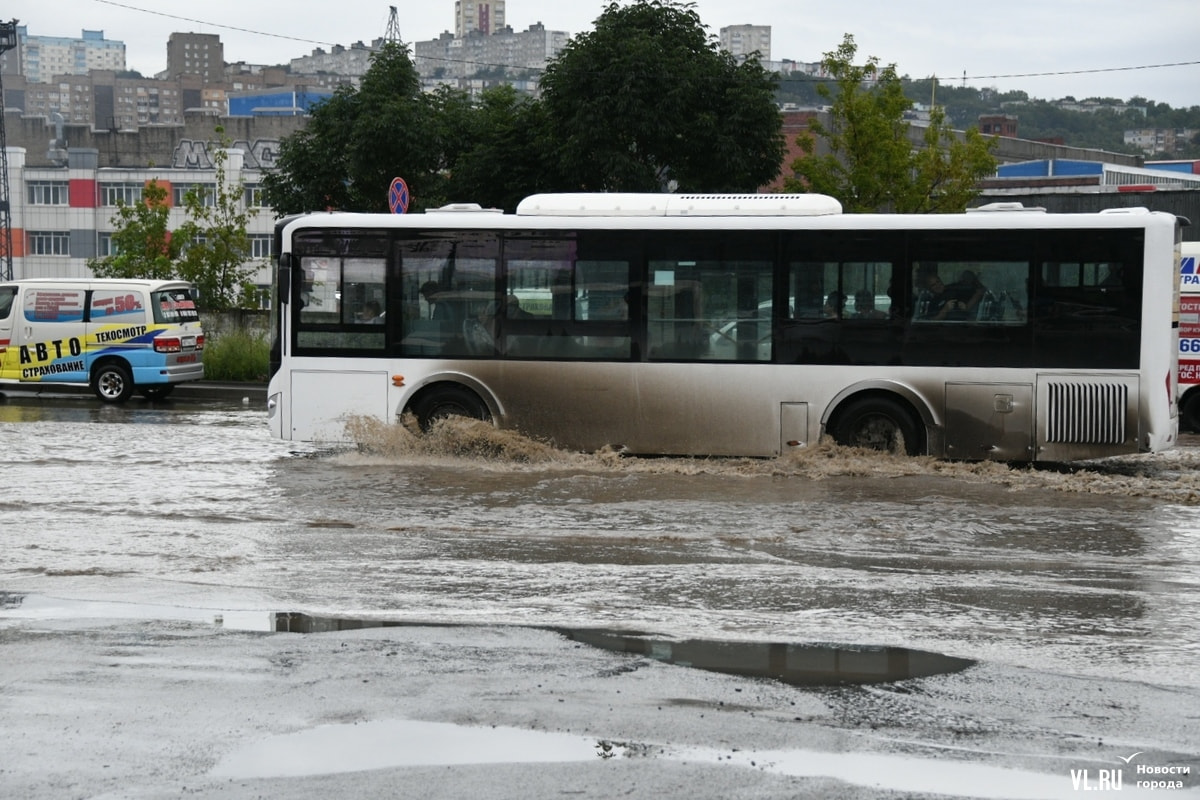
(878, 423)
(448, 401)
(112, 382)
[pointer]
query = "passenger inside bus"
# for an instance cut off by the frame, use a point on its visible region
(934, 302)
(371, 313)
(969, 291)
(864, 306)
(439, 309)
(834, 305)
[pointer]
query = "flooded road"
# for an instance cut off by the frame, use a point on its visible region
(1090, 575)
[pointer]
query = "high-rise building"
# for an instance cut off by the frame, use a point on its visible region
(43, 58)
(485, 16)
(742, 40)
(196, 54)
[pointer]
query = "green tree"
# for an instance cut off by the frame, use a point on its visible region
(647, 101)
(358, 140)
(868, 161)
(505, 151)
(142, 245)
(215, 248)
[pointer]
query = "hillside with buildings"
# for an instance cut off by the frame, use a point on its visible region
(71, 102)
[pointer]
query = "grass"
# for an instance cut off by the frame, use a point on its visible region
(236, 355)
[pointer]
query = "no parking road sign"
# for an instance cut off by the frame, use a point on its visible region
(398, 196)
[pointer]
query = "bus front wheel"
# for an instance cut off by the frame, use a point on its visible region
(112, 382)
(1189, 412)
(878, 423)
(448, 401)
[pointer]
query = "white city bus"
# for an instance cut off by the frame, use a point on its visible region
(744, 325)
(1189, 337)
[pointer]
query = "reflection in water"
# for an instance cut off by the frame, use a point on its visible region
(796, 664)
(381, 744)
(392, 744)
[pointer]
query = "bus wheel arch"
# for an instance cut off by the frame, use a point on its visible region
(878, 419)
(447, 398)
(112, 380)
(1189, 411)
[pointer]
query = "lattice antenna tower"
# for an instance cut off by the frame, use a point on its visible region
(8, 41)
(392, 35)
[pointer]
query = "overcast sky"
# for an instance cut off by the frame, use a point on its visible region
(1049, 48)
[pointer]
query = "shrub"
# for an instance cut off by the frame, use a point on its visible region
(236, 355)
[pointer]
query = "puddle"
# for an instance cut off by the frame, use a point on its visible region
(14, 605)
(795, 664)
(383, 744)
(819, 664)
(394, 744)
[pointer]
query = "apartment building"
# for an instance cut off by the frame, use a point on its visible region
(43, 58)
(742, 40)
(200, 54)
(451, 57)
(485, 16)
(63, 216)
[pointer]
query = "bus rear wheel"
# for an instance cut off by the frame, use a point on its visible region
(448, 401)
(878, 423)
(112, 382)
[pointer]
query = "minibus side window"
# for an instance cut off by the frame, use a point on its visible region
(117, 306)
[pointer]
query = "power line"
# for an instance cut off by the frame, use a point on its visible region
(214, 24)
(538, 69)
(1078, 71)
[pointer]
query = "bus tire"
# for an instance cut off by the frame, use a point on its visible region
(878, 423)
(158, 391)
(112, 382)
(448, 401)
(1189, 412)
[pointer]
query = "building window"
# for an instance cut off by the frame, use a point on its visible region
(49, 243)
(207, 192)
(48, 193)
(254, 195)
(260, 245)
(104, 244)
(112, 194)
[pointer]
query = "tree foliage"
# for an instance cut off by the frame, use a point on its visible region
(644, 102)
(870, 163)
(142, 245)
(647, 101)
(505, 153)
(215, 245)
(211, 248)
(358, 140)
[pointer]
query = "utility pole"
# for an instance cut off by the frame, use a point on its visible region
(8, 41)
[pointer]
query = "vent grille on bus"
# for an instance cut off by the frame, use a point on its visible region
(1086, 413)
